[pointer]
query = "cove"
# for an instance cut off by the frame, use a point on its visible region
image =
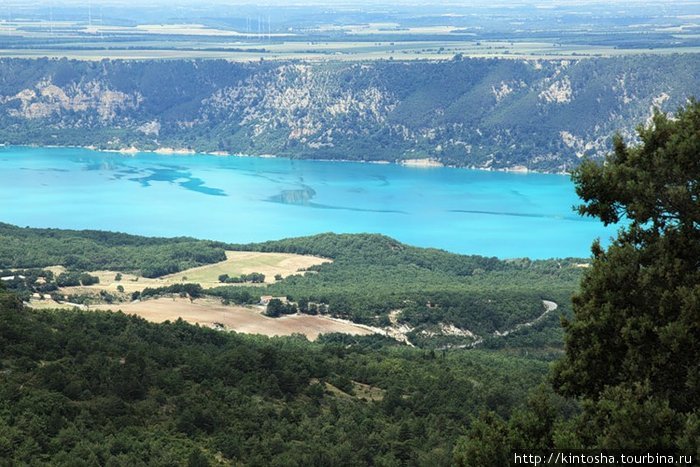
(252, 199)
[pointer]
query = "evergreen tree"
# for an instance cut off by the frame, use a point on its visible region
(633, 347)
(632, 352)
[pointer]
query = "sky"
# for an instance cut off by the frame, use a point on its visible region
(460, 3)
(121, 9)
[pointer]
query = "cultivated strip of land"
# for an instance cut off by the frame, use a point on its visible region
(236, 264)
(250, 320)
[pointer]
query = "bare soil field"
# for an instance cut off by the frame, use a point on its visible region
(249, 320)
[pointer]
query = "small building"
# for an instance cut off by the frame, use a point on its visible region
(265, 299)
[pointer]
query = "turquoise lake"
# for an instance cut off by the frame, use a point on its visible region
(250, 199)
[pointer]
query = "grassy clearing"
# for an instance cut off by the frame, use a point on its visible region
(246, 262)
(359, 391)
(367, 392)
(50, 305)
(237, 263)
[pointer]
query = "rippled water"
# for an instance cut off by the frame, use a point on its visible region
(247, 199)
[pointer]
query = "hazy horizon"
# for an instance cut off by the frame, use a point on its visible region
(363, 3)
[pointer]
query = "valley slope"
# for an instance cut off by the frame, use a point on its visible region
(424, 297)
(467, 112)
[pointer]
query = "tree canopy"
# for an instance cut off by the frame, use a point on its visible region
(637, 316)
(630, 377)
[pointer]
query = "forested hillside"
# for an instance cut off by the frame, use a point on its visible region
(89, 250)
(373, 277)
(90, 388)
(487, 113)
(437, 298)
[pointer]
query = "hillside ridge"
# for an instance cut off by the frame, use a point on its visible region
(465, 112)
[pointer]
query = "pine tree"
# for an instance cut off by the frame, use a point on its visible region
(634, 344)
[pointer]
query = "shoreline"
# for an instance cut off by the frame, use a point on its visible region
(424, 163)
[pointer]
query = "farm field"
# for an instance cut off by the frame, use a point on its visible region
(236, 264)
(442, 49)
(246, 262)
(252, 32)
(249, 320)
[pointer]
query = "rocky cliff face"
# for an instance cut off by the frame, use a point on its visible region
(543, 115)
(45, 100)
(305, 102)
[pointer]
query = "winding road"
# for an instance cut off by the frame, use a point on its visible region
(549, 306)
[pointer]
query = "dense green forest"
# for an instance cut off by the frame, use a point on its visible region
(88, 250)
(468, 112)
(95, 388)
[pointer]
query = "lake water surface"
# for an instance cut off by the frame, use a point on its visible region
(249, 199)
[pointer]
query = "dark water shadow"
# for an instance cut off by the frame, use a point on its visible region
(304, 195)
(518, 214)
(169, 175)
(44, 170)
